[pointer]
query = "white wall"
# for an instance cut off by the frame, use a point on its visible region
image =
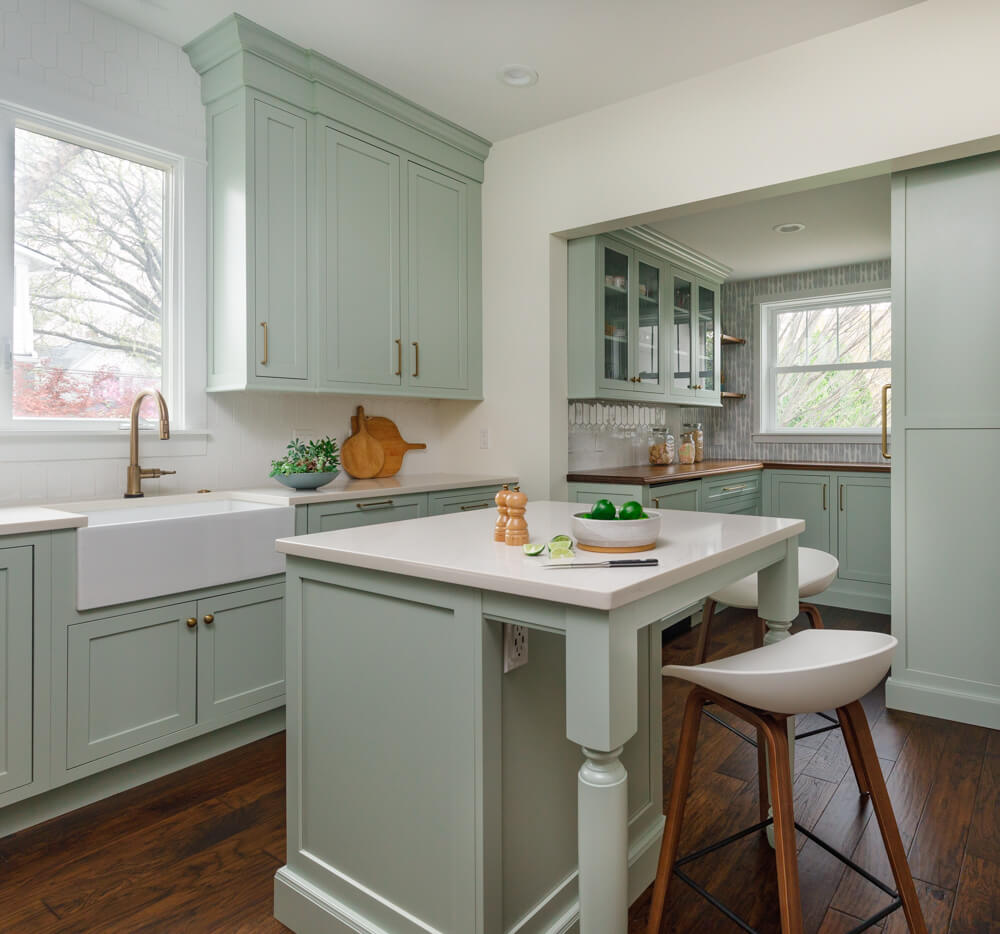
(64, 59)
(922, 79)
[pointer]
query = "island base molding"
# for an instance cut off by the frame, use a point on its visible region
(304, 907)
(944, 698)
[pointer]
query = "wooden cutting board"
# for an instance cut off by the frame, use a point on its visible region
(384, 430)
(362, 455)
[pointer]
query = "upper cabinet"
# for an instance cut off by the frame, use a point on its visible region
(641, 325)
(345, 228)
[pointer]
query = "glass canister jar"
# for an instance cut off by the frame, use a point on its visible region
(661, 447)
(698, 436)
(686, 451)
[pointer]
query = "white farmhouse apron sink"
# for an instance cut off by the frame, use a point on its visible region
(174, 544)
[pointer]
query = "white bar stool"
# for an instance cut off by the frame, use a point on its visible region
(813, 670)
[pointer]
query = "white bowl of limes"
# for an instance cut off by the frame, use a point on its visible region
(605, 527)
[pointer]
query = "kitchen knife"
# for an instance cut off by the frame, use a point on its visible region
(621, 563)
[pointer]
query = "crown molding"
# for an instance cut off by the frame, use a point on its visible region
(683, 254)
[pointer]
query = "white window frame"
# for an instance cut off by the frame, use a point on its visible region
(766, 308)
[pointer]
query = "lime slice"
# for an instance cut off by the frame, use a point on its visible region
(560, 538)
(533, 548)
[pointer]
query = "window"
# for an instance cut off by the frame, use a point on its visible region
(824, 362)
(91, 279)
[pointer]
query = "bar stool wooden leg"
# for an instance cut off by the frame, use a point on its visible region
(789, 896)
(764, 798)
(851, 741)
(882, 805)
(675, 813)
(707, 615)
(815, 620)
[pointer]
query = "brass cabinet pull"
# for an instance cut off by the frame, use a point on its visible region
(885, 433)
(191, 622)
(733, 489)
(381, 502)
(468, 506)
(399, 358)
(263, 362)
(824, 496)
(841, 497)
(416, 358)
(209, 619)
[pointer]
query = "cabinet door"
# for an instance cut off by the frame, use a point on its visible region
(15, 667)
(327, 517)
(614, 318)
(808, 496)
(676, 496)
(649, 355)
(706, 342)
(241, 651)
(863, 527)
(131, 679)
(619, 494)
(680, 384)
(438, 281)
(278, 280)
(361, 341)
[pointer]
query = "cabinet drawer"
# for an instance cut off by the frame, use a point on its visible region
(462, 500)
(676, 496)
(736, 506)
(618, 493)
(328, 517)
(131, 679)
(718, 489)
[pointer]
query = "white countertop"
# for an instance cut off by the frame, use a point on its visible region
(17, 520)
(459, 549)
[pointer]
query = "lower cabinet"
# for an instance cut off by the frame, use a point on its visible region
(327, 517)
(439, 504)
(863, 527)
(16, 657)
(799, 494)
(141, 676)
(686, 496)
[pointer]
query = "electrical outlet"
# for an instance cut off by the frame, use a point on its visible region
(515, 646)
(484, 438)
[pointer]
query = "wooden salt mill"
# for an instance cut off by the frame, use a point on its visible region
(517, 526)
(500, 529)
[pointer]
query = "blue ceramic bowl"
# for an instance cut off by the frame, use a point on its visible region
(306, 481)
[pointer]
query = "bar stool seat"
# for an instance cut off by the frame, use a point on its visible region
(817, 569)
(810, 671)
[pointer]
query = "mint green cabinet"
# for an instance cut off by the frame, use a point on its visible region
(359, 273)
(130, 679)
(241, 652)
(16, 665)
(618, 493)
(681, 495)
(863, 527)
(799, 494)
(439, 504)
(328, 517)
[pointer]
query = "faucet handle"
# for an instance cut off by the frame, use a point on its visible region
(149, 473)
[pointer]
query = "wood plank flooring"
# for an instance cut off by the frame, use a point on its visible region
(196, 851)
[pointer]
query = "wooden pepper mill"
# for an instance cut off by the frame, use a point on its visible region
(517, 526)
(500, 529)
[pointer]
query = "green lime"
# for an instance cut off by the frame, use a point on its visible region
(562, 537)
(631, 510)
(561, 553)
(533, 548)
(603, 509)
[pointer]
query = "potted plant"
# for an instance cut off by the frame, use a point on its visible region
(307, 465)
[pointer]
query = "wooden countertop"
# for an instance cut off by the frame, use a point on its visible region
(648, 474)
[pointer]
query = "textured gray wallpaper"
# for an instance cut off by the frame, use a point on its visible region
(728, 429)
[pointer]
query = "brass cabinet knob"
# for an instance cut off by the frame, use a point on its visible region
(192, 622)
(209, 619)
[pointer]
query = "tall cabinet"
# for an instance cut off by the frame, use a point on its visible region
(345, 228)
(644, 319)
(945, 591)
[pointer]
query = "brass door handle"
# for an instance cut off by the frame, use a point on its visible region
(381, 502)
(885, 432)
(208, 619)
(263, 362)
(824, 496)
(841, 497)
(416, 358)
(191, 622)
(399, 358)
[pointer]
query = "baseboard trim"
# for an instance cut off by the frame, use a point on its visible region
(847, 599)
(943, 703)
(69, 797)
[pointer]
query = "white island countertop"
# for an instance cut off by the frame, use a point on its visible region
(459, 549)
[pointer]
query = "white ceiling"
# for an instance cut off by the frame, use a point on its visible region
(444, 54)
(847, 223)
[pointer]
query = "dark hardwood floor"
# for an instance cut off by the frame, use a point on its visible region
(196, 852)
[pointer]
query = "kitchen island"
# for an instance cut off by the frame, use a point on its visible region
(398, 820)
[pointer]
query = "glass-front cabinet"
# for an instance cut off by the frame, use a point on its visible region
(630, 345)
(638, 326)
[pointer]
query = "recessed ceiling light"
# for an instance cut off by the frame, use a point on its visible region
(793, 227)
(518, 76)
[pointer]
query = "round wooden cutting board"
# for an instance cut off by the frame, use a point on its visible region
(362, 455)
